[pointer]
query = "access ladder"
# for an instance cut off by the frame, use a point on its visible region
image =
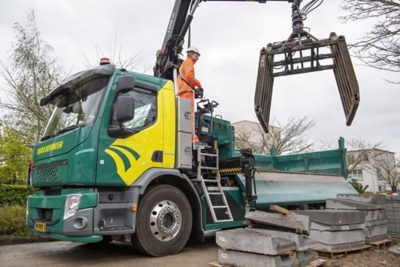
(211, 185)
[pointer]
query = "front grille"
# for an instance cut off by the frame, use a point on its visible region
(48, 174)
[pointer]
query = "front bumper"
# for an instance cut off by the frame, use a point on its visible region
(100, 212)
(48, 210)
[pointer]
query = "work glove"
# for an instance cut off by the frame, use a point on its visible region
(198, 93)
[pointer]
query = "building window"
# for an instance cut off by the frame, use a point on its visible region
(356, 175)
(379, 174)
(365, 157)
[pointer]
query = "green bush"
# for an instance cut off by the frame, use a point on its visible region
(12, 221)
(14, 194)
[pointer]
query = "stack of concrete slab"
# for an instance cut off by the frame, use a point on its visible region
(333, 230)
(392, 208)
(376, 224)
(349, 221)
(258, 246)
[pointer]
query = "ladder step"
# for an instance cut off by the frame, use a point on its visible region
(220, 207)
(227, 220)
(208, 154)
(215, 193)
(208, 168)
(210, 181)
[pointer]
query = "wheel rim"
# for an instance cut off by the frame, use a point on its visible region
(165, 220)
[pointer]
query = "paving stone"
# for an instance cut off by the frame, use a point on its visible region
(260, 242)
(344, 204)
(300, 223)
(334, 217)
(303, 242)
(373, 199)
(338, 237)
(243, 259)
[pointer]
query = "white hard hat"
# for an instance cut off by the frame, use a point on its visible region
(193, 49)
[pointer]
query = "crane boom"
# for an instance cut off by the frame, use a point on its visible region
(178, 25)
(300, 53)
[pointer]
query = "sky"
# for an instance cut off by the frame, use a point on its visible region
(229, 36)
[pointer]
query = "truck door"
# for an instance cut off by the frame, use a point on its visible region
(140, 145)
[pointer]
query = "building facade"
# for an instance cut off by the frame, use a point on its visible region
(372, 167)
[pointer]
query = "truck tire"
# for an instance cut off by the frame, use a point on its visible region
(163, 221)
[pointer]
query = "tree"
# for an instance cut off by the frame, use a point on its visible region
(31, 75)
(390, 172)
(289, 137)
(14, 156)
(379, 48)
(362, 152)
(358, 186)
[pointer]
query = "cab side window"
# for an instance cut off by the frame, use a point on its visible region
(145, 110)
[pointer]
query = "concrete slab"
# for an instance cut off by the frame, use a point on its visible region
(344, 204)
(372, 199)
(243, 259)
(333, 228)
(334, 217)
(374, 215)
(338, 237)
(303, 242)
(375, 223)
(330, 248)
(260, 242)
(377, 230)
(299, 223)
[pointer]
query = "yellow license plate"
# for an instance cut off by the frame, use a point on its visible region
(40, 227)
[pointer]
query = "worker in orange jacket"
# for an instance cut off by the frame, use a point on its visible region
(188, 85)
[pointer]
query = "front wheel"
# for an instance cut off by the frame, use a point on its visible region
(163, 221)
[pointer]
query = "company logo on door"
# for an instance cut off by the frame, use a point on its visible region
(124, 158)
(51, 147)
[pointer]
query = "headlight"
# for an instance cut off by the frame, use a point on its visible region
(71, 205)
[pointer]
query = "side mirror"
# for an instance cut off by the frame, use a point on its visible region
(125, 83)
(124, 108)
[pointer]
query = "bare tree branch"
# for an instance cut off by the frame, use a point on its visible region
(289, 137)
(379, 48)
(31, 75)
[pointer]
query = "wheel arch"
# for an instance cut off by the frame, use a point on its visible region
(179, 180)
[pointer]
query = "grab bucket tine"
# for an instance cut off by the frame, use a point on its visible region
(307, 55)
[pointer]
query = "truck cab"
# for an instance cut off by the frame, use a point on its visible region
(111, 138)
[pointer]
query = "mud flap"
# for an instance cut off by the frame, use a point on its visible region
(281, 59)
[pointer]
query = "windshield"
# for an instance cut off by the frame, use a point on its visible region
(76, 107)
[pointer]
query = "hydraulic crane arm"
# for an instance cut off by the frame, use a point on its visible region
(300, 53)
(181, 17)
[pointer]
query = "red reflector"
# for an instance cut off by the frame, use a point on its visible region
(104, 61)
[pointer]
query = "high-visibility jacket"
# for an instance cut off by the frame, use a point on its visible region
(186, 78)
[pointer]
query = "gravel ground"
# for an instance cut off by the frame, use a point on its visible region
(118, 254)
